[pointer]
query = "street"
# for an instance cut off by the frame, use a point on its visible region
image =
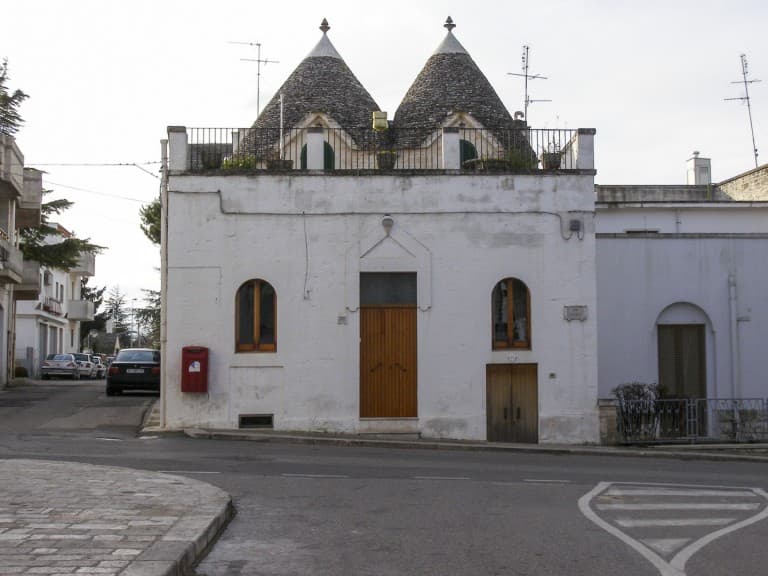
(304, 509)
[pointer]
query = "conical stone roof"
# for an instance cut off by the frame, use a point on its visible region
(449, 82)
(321, 83)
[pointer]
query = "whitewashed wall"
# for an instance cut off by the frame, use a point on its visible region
(462, 233)
(638, 278)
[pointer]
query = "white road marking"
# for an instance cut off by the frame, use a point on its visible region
(441, 478)
(680, 506)
(672, 492)
(666, 545)
(314, 476)
(546, 481)
(676, 566)
(649, 522)
(187, 472)
(109, 439)
(148, 437)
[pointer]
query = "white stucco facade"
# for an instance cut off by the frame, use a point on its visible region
(50, 322)
(310, 235)
(683, 261)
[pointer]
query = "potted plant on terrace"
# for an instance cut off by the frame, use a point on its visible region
(551, 157)
(386, 159)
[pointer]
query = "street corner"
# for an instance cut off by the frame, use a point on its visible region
(114, 520)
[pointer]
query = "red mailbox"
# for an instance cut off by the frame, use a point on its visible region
(194, 369)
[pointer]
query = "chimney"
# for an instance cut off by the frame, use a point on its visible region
(698, 170)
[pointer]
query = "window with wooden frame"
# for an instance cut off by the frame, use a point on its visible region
(511, 314)
(256, 317)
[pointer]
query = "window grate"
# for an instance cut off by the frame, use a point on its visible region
(256, 420)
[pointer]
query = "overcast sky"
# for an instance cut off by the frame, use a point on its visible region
(106, 78)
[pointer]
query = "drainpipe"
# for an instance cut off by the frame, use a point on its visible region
(735, 384)
(163, 275)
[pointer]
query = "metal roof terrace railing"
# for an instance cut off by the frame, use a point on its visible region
(467, 150)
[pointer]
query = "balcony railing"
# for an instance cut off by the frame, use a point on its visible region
(11, 262)
(52, 306)
(29, 288)
(522, 150)
(86, 265)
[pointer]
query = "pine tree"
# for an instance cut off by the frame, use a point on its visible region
(35, 243)
(10, 119)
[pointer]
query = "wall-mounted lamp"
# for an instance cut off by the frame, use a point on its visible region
(387, 222)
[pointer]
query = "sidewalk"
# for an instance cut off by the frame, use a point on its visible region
(717, 452)
(65, 518)
(746, 452)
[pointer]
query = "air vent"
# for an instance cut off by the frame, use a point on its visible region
(256, 420)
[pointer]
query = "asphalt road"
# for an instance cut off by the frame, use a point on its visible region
(340, 510)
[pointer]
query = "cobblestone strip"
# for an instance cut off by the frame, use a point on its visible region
(63, 518)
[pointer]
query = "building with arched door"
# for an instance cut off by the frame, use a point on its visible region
(423, 275)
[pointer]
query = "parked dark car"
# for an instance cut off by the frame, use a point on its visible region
(134, 369)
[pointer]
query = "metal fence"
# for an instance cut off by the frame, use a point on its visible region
(700, 419)
(516, 150)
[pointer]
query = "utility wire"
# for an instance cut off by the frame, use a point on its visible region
(101, 164)
(99, 193)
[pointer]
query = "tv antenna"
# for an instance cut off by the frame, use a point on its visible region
(259, 61)
(526, 63)
(745, 98)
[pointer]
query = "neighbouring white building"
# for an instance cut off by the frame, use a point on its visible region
(49, 309)
(20, 199)
(424, 275)
(682, 278)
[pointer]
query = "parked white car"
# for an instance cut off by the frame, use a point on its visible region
(86, 365)
(101, 369)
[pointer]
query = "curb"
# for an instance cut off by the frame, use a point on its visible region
(697, 453)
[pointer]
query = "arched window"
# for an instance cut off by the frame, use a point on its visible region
(255, 317)
(467, 151)
(511, 314)
(329, 157)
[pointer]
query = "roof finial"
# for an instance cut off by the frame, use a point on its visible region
(449, 24)
(324, 26)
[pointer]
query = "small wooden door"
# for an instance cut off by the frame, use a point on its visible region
(682, 365)
(388, 362)
(512, 403)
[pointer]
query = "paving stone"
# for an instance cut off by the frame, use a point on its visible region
(70, 518)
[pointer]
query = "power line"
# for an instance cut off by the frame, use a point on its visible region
(101, 164)
(99, 193)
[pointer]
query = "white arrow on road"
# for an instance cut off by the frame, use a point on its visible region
(656, 498)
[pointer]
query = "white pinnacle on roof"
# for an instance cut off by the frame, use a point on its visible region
(450, 45)
(324, 48)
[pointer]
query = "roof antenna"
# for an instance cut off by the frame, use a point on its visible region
(745, 98)
(526, 63)
(259, 61)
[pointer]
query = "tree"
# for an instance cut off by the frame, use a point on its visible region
(95, 295)
(148, 317)
(116, 309)
(150, 220)
(10, 119)
(35, 243)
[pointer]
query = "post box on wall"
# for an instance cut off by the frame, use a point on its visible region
(194, 369)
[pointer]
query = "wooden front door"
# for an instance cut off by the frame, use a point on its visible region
(512, 403)
(682, 367)
(388, 345)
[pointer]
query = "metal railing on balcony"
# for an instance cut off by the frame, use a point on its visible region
(248, 149)
(691, 420)
(52, 306)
